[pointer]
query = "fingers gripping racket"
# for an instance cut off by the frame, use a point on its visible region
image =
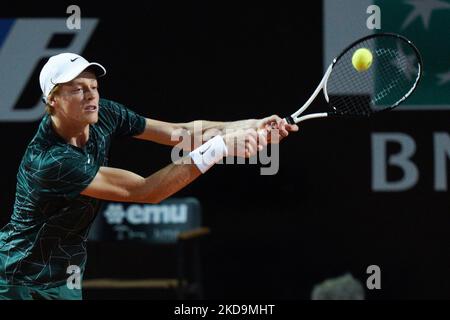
(350, 90)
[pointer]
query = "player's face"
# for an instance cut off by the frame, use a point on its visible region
(77, 101)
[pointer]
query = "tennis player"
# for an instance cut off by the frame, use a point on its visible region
(64, 174)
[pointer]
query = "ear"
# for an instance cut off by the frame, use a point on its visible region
(52, 100)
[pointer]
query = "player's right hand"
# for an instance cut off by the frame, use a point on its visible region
(245, 143)
(276, 128)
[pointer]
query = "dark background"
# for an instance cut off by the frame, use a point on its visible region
(272, 236)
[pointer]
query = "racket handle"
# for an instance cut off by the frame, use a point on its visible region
(289, 120)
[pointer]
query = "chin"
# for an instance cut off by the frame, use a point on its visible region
(93, 119)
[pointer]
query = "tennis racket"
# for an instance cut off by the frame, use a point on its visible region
(392, 77)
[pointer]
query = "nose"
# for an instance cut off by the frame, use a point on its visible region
(90, 94)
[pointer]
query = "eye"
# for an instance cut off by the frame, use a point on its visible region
(77, 90)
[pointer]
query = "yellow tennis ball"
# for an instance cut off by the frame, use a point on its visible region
(362, 59)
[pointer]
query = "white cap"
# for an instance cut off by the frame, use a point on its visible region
(62, 68)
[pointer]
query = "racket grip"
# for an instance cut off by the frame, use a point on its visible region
(289, 120)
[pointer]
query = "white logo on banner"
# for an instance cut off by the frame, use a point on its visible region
(146, 214)
(23, 48)
(403, 160)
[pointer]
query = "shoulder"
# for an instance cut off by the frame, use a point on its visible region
(119, 119)
(59, 171)
(106, 103)
(55, 156)
(56, 167)
(109, 110)
(109, 105)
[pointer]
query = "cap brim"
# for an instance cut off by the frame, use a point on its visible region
(98, 69)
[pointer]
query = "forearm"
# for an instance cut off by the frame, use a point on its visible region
(206, 125)
(183, 171)
(190, 135)
(115, 184)
(201, 131)
(165, 182)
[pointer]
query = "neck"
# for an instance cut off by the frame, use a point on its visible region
(75, 134)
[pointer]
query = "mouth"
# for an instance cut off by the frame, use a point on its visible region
(91, 108)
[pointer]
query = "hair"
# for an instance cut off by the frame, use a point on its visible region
(48, 108)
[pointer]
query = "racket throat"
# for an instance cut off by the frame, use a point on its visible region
(289, 120)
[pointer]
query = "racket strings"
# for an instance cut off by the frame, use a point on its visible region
(394, 71)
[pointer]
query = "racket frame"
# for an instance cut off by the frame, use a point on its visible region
(296, 116)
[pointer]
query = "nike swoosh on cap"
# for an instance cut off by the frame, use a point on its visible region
(203, 152)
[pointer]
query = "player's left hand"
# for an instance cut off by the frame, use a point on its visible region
(275, 128)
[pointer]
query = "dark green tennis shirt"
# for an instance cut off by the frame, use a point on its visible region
(48, 229)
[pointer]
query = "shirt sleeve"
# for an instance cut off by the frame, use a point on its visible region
(121, 121)
(63, 176)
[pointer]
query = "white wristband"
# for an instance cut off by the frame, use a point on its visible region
(209, 153)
